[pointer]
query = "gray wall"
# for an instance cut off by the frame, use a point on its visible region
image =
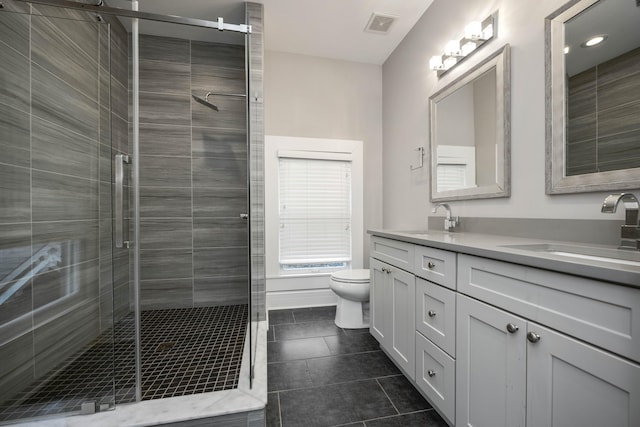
(408, 83)
(307, 96)
(603, 131)
(193, 174)
(55, 186)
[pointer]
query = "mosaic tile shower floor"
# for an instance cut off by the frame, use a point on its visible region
(183, 351)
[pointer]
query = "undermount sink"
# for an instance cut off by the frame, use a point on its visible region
(618, 256)
(421, 235)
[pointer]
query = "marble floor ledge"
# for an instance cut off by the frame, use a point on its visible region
(184, 408)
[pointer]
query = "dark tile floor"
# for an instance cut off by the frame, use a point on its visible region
(322, 375)
(184, 351)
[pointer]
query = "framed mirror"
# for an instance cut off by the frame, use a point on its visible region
(470, 133)
(593, 96)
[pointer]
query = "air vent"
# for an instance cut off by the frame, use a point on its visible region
(380, 24)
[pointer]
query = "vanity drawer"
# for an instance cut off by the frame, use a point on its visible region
(436, 314)
(436, 265)
(435, 376)
(394, 252)
(602, 313)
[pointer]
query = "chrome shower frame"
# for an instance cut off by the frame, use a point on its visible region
(136, 15)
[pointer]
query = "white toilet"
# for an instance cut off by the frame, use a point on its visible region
(352, 289)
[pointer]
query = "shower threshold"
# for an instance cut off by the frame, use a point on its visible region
(184, 352)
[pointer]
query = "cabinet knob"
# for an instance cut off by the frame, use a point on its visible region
(431, 313)
(511, 328)
(389, 271)
(431, 265)
(431, 373)
(533, 337)
(384, 270)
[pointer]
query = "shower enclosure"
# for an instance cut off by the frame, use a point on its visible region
(131, 219)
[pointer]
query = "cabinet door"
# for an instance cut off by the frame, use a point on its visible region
(378, 301)
(570, 383)
(490, 366)
(403, 290)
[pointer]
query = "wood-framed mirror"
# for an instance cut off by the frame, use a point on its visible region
(470, 135)
(592, 96)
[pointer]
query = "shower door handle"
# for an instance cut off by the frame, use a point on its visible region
(121, 160)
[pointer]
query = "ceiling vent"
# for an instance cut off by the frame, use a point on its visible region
(379, 23)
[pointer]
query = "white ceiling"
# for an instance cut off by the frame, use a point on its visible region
(324, 28)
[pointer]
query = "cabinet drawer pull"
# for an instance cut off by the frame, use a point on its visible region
(511, 328)
(431, 265)
(533, 337)
(431, 373)
(432, 313)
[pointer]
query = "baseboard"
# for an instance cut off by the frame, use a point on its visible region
(300, 298)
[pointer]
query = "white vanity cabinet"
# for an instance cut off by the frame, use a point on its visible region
(392, 306)
(508, 362)
(414, 319)
(501, 344)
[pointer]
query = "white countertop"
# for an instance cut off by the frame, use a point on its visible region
(497, 247)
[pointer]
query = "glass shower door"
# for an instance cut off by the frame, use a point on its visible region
(56, 281)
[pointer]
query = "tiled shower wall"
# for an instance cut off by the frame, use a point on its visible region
(193, 174)
(604, 110)
(55, 186)
(255, 18)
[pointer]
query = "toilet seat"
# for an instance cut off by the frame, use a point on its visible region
(351, 276)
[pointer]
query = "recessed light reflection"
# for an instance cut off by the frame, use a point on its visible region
(566, 50)
(595, 40)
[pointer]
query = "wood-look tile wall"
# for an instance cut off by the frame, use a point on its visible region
(193, 174)
(55, 185)
(255, 17)
(603, 130)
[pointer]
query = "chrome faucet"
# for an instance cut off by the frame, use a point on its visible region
(630, 231)
(450, 222)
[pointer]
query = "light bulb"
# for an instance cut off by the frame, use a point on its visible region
(473, 30)
(452, 48)
(435, 63)
(450, 62)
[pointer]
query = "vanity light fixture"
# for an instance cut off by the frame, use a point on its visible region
(476, 33)
(595, 40)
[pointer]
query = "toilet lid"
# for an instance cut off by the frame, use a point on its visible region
(351, 276)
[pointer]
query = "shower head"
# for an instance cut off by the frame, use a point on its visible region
(205, 103)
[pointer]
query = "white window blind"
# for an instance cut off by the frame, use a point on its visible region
(451, 177)
(455, 167)
(315, 212)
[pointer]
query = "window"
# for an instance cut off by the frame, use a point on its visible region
(315, 215)
(288, 265)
